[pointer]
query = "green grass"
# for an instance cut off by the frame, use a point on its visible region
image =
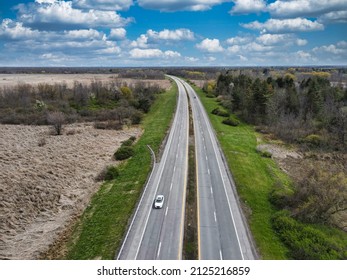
(99, 233)
(255, 178)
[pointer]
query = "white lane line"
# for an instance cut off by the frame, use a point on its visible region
(162, 163)
(208, 171)
(174, 168)
(206, 158)
(220, 254)
(167, 209)
(215, 216)
(171, 187)
(215, 148)
(176, 155)
(211, 191)
(159, 249)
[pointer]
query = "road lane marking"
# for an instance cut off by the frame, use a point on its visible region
(215, 216)
(160, 170)
(208, 171)
(159, 249)
(211, 191)
(214, 143)
(220, 254)
(171, 187)
(167, 209)
(206, 158)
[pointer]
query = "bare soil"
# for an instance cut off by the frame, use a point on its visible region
(46, 181)
(69, 79)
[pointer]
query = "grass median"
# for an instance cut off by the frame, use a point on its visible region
(99, 233)
(254, 176)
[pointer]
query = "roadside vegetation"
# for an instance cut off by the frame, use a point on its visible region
(110, 105)
(288, 217)
(100, 231)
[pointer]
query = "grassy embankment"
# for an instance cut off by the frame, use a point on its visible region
(103, 224)
(254, 176)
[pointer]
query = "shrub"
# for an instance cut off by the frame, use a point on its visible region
(56, 119)
(231, 121)
(127, 143)
(306, 242)
(313, 140)
(136, 118)
(112, 173)
(124, 152)
(220, 112)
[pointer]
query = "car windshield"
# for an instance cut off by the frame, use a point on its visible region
(159, 199)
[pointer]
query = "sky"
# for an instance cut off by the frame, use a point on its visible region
(145, 33)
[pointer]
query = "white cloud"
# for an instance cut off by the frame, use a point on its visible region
(339, 17)
(191, 59)
(118, 33)
(339, 49)
(248, 6)
(255, 47)
(243, 58)
(152, 53)
(301, 42)
(16, 31)
(110, 5)
(141, 42)
(180, 5)
(84, 34)
(274, 39)
(234, 49)
(210, 45)
(154, 37)
(239, 40)
(48, 14)
(285, 25)
(303, 56)
(171, 35)
(109, 50)
(305, 8)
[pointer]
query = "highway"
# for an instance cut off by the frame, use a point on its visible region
(222, 233)
(158, 233)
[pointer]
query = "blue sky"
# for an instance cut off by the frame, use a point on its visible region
(114, 33)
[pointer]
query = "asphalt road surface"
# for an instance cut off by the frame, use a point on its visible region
(158, 233)
(222, 232)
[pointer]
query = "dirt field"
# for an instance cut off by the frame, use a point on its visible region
(45, 181)
(69, 79)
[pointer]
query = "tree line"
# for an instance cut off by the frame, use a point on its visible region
(310, 111)
(115, 103)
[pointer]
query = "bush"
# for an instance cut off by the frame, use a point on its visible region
(231, 121)
(313, 140)
(127, 143)
(124, 152)
(306, 242)
(220, 112)
(112, 173)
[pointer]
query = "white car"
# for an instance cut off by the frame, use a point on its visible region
(159, 201)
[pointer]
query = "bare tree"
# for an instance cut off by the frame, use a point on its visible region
(320, 195)
(56, 119)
